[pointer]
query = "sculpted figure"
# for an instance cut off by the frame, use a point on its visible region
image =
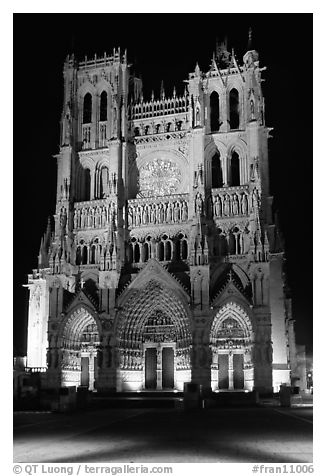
(184, 211)
(63, 217)
(103, 217)
(82, 218)
(235, 205)
(219, 206)
(169, 213)
(130, 216)
(226, 208)
(137, 220)
(255, 198)
(145, 214)
(199, 204)
(110, 214)
(244, 204)
(75, 219)
(153, 213)
(175, 213)
(78, 218)
(97, 217)
(161, 213)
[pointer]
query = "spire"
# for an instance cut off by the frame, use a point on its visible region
(174, 92)
(251, 54)
(162, 93)
(249, 47)
(222, 54)
(197, 69)
(48, 228)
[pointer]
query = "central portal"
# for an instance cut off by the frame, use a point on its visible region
(159, 367)
(230, 371)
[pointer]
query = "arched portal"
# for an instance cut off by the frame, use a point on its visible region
(79, 343)
(231, 341)
(153, 340)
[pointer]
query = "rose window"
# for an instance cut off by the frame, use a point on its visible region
(159, 177)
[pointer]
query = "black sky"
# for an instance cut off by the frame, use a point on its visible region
(163, 47)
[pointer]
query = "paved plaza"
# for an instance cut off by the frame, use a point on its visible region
(224, 435)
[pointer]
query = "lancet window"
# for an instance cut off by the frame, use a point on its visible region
(104, 106)
(234, 109)
(217, 176)
(215, 111)
(87, 109)
(234, 170)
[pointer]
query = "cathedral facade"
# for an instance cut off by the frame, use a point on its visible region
(163, 265)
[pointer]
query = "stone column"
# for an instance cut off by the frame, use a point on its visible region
(159, 368)
(91, 194)
(231, 386)
(225, 174)
(91, 371)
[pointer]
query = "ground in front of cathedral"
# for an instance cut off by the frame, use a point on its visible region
(224, 435)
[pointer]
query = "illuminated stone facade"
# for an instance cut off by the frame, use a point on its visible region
(164, 265)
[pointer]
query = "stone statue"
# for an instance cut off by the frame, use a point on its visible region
(68, 125)
(103, 217)
(161, 213)
(169, 213)
(137, 219)
(255, 200)
(63, 219)
(235, 205)
(75, 219)
(175, 213)
(244, 204)
(82, 218)
(153, 213)
(199, 204)
(184, 211)
(130, 216)
(226, 207)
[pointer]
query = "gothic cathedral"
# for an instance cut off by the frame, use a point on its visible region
(163, 266)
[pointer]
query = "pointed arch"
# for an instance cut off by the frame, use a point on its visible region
(71, 329)
(237, 162)
(138, 307)
(231, 310)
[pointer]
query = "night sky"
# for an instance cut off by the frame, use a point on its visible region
(163, 47)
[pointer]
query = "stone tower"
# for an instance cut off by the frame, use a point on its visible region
(164, 265)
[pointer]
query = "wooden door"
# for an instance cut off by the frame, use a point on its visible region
(84, 381)
(238, 376)
(167, 367)
(150, 368)
(223, 371)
